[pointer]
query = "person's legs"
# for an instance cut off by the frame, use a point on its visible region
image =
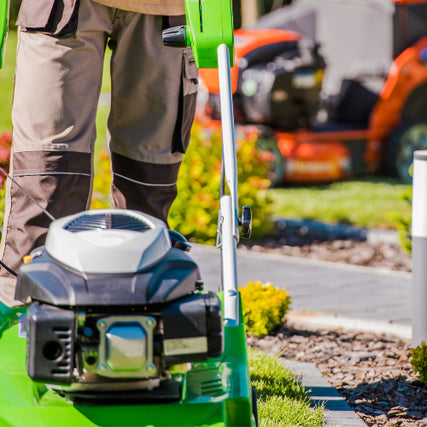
(57, 86)
(153, 102)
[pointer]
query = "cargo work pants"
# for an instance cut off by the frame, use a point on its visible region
(60, 56)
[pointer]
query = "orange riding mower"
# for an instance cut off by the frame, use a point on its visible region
(276, 85)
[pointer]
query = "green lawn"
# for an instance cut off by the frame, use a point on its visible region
(368, 202)
(281, 400)
(6, 83)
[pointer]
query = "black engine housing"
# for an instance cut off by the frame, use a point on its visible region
(117, 328)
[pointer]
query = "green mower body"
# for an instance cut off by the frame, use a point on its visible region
(4, 26)
(214, 393)
(103, 312)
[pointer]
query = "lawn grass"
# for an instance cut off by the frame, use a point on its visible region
(367, 202)
(6, 83)
(281, 400)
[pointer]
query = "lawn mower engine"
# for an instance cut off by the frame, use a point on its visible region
(115, 305)
(276, 81)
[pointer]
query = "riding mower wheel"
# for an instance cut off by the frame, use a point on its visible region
(401, 146)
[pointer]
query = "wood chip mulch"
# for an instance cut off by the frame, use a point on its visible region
(371, 371)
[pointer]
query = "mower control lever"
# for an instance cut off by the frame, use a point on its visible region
(246, 222)
(209, 24)
(179, 241)
(175, 37)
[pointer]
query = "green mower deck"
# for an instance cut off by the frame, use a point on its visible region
(214, 393)
(4, 23)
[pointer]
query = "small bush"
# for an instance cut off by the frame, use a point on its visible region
(419, 361)
(404, 223)
(101, 181)
(195, 211)
(264, 307)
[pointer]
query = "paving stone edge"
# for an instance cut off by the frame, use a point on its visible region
(337, 412)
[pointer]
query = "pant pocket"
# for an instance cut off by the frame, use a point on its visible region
(190, 73)
(50, 16)
(187, 102)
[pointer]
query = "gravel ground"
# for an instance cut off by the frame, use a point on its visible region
(372, 371)
(336, 243)
(379, 255)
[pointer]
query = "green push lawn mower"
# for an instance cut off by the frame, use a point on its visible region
(4, 25)
(118, 330)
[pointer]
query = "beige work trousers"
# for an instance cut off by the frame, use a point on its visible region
(57, 87)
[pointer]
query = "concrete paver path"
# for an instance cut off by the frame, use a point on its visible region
(366, 295)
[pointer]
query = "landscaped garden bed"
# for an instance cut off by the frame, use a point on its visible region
(371, 371)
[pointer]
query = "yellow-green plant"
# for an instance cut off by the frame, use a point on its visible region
(404, 222)
(264, 307)
(101, 181)
(195, 211)
(419, 360)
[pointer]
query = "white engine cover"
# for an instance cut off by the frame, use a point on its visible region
(108, 241)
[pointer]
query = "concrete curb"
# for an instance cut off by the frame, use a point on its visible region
(338, 412)
(314, 321)
(317, 230)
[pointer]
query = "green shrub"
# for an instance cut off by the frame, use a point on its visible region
(404, 223)
(195, 211)
(419, 361)
(264, 307)
(101, 181)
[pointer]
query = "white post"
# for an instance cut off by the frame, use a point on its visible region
(419, 248)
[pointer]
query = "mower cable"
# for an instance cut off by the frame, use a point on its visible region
(14, 273)
(51, 217)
